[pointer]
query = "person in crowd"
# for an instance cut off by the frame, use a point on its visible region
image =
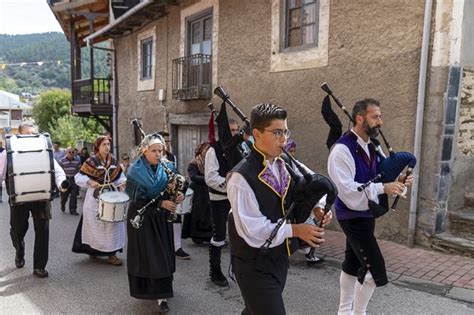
(125, 163)
(71, 167)
(58, 153)
(197, 224)
(84, 155)
(216, 168)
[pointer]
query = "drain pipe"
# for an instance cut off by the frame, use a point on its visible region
(420, 107)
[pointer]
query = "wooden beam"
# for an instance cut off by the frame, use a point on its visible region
(63, 6)
(96, 26)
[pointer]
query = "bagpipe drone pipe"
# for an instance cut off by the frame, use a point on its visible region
(309, 186)
(388, 170)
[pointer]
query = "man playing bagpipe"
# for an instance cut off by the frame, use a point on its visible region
(353, 162)
(259, 189)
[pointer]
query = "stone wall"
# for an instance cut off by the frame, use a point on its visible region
(463, 168)
(373, 51)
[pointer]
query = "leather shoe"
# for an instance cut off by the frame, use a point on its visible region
(163, 307)
(19, 262)
(74, 212)
(41, 273)
(20, 255)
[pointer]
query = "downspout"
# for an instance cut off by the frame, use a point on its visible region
(420, 107)
(114, 102)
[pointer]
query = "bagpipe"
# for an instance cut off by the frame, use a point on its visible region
(309, 186)
(388, 170)
(175, 187)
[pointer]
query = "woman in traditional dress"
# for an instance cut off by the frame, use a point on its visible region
(197, 224)
(150, 252)
(95, 237)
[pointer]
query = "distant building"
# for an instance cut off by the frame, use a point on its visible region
(12, 112)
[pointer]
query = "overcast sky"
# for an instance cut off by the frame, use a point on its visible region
(26, 17)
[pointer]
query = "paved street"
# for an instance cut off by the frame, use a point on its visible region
(79, 285)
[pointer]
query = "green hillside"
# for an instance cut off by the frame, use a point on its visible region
(47, 48)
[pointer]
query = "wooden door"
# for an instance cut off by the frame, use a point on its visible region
(188, 138)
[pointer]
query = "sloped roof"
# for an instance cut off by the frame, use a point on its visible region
(10, 100)
(78, 11)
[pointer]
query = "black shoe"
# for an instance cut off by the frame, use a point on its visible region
(74, 212)
(198, 241)
(218, 278)
(313, 260)
(163, 307)
(181, 254)
(19, 262)
(20, 255)
(41, 273)
(63, 209)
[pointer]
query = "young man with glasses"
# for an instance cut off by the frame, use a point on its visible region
(260, 190)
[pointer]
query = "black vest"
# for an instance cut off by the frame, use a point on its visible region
(270, 204)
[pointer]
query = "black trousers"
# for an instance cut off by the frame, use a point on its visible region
(72, 191)
(261, 290)
(219, 213)
(362, 251)
(19, 215)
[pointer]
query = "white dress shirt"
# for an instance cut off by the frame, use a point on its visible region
(341, 169)
(250, 223)
(212, 177)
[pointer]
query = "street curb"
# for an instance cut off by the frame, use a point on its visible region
(462, 294)
(449, 291)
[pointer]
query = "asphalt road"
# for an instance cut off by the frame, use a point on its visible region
(78, 285)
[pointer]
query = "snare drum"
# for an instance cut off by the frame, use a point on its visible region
(30, 173)
(112, 206)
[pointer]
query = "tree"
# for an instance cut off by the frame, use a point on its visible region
(9, 85)
(68, 129)
(51, 105)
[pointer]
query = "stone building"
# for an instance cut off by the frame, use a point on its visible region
(416, 57)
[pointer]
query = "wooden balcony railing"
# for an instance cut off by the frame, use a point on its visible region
(92, 97)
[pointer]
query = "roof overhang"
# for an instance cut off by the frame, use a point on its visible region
(81, 12)
(134, 19)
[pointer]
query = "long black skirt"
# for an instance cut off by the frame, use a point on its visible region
(197, 224)
(150, 254)
(150, 289)
(80, 248)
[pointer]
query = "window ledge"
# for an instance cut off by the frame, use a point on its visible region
(298, 59)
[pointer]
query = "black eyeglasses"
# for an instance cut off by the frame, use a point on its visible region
(278, 133)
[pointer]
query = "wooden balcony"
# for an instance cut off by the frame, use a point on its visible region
(192, 77)
(91, 97)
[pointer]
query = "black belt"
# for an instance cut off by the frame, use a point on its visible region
(211, 190)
